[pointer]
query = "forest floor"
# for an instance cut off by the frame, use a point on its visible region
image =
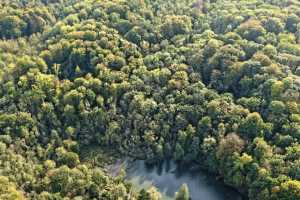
(99, 156)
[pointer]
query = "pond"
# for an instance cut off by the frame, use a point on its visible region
(168, 178)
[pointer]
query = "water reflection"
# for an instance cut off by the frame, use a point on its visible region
(168, 178)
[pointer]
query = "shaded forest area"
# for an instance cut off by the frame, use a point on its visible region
(214, 83)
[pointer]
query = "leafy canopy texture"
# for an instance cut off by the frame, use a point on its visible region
(213, 83)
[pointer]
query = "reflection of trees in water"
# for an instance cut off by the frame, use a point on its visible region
(169, 176)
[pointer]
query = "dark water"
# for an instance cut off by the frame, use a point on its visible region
(168, 178)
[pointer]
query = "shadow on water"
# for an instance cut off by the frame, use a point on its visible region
(168, 178)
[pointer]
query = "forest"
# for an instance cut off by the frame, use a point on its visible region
(212, 83)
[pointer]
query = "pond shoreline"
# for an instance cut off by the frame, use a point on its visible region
(138, 173)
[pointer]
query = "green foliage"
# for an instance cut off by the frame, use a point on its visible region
(8, 190)
(175, 25)
(289, 190)
(215, 82)
(183, 193)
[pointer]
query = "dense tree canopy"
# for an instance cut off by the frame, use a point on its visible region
(216, 83)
